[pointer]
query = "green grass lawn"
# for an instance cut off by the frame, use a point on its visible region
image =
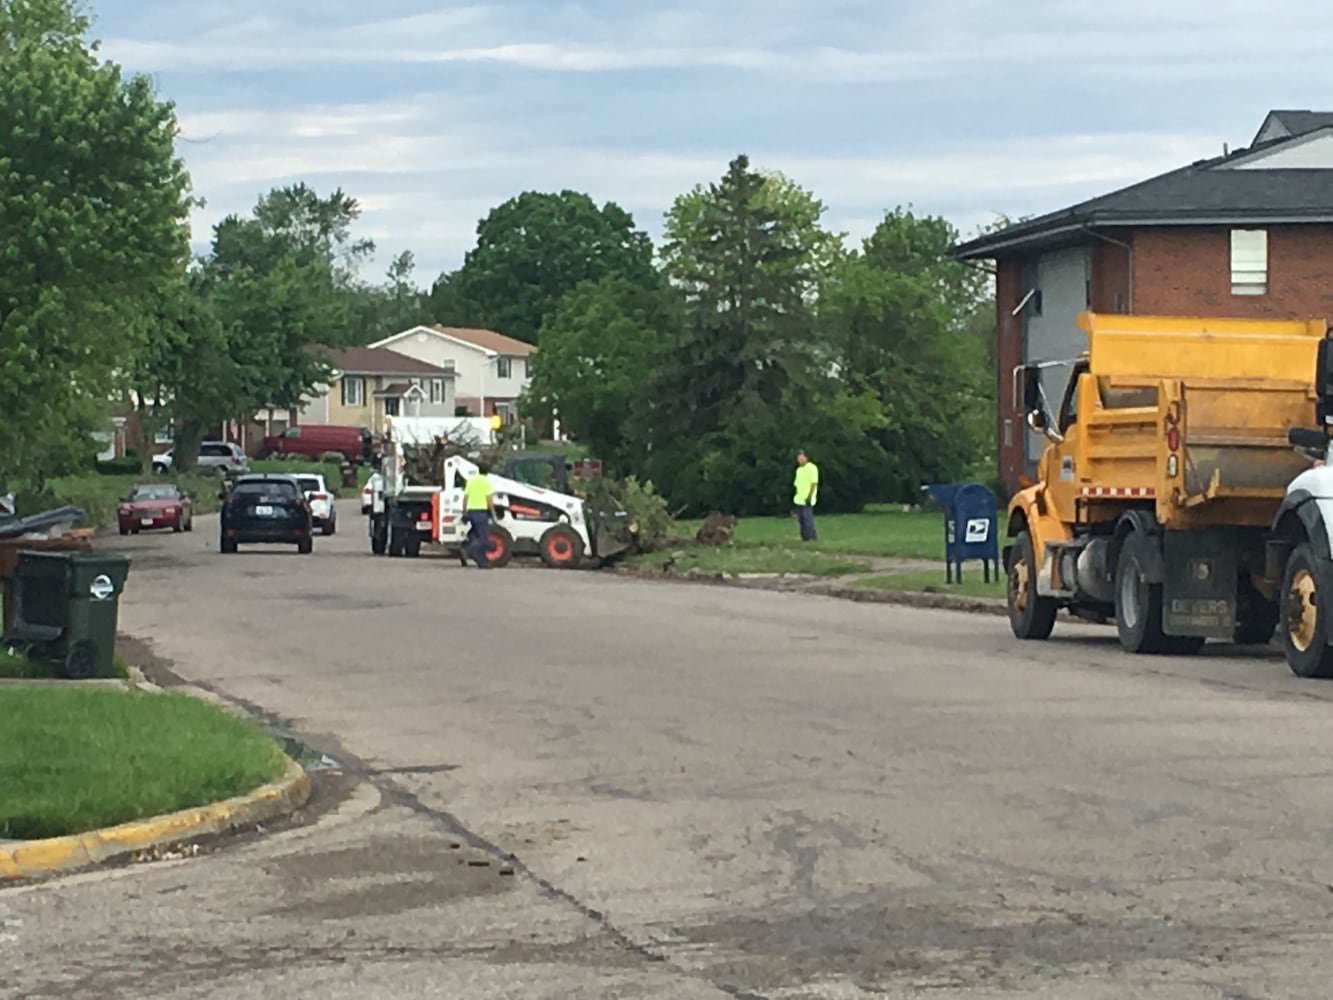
(756, 559)
(880, 531)
(12, 665)
(77, 758)
(973, 584)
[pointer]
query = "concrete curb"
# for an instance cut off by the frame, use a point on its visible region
(820, 587)
(27, 859)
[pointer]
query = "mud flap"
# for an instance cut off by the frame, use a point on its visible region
(1201, 580)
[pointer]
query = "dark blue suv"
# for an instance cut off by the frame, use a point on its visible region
(266, 508)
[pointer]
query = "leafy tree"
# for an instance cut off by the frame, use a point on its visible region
(903, 319)
(93, 213)
(598, 348)
(749, 381)
(280, 285)
(182, 371)
(533, 249)
(397, 305)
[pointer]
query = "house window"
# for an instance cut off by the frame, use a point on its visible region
(391, 406)
(504, 367)
(437, 391)
(1249, 261)
(354, 391)
(527, 368)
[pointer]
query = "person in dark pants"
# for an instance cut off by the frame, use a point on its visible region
(807, 495)
(478, 509)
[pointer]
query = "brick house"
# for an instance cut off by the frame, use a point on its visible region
(1246, 234)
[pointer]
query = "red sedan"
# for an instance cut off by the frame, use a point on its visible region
(146, 508)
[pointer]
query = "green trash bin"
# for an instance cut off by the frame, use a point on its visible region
(66, 606)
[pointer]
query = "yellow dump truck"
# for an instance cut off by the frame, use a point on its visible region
(1167, 463)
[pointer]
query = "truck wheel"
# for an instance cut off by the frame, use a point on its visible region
(1304, 618)
(499, 547)
(1031, 616)
(379, 536)
(227, 546)
(412, 546)
(561, 547)
(1138, 606)
(396, 542)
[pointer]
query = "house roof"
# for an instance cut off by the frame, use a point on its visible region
(1284, 124)
(486, 341)
(382, 361)
(1231, 189)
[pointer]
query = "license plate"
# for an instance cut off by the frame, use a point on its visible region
(263, 510)
(423, 526)
(145, 520)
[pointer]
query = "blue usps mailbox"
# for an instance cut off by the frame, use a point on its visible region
(971, 529)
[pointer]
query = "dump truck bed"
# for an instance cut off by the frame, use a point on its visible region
(1194, 413)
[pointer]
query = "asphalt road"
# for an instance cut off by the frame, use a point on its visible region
(708, 792)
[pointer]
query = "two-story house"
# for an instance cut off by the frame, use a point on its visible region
(492, 370)
(370, 383)
(1246, 234)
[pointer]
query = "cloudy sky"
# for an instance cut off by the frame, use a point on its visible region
(432, 112)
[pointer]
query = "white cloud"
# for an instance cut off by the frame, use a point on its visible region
(424, 183)
(911, 41)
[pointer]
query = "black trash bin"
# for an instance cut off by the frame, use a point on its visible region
(66, 606)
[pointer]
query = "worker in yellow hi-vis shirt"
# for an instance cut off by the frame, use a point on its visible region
(478, 509)
(807, 495)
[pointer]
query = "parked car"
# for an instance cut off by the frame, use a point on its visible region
(323, 513)
(154, 506)
(368, 492)
(214, 456)
(356, 444)
(266, 509)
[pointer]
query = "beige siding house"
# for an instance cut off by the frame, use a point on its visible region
(492, 370)
(370, 383)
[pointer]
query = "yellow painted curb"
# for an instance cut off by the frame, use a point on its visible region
(45, 857)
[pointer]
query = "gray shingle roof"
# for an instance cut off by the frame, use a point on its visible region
(1284, 124)
(1208, 191)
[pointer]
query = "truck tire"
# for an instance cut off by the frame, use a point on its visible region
(1138, 606)
(412, 546)
(1031, 616)
(379, 536)
(561, 547)
(499, 547)
(1304, 618)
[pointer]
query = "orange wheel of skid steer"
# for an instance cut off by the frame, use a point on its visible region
(499, 547)
(561, 547)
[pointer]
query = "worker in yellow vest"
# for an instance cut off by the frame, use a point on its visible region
(478, 509)
(807, 495)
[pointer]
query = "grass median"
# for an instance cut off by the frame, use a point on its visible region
(882, 530)
(74, 758)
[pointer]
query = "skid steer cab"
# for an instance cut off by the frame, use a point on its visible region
(1163, 482)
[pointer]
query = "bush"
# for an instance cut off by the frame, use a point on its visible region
(647, 509)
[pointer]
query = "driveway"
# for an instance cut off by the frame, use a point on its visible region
(707, 792)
